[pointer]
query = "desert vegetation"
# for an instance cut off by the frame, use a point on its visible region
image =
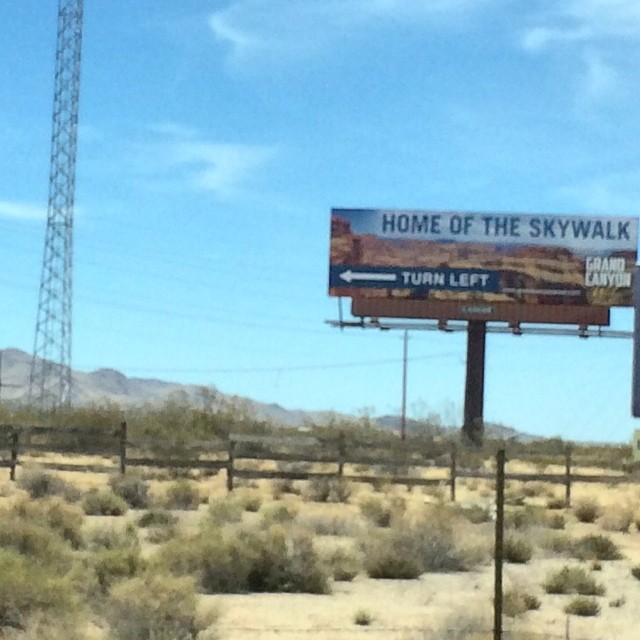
(171, 553)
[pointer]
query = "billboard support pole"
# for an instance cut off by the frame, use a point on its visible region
(473, 427)
(635, 391)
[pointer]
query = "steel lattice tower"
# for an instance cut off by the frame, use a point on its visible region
(50, 379)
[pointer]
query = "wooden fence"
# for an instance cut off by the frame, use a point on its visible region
(377, 459)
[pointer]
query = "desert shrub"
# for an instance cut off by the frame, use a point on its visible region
(327, 489)
(154, 607)
(582, 606)
(112, 537)
(556, 521)
(112, 565)
(573, 580)
(524, 518)
(477, 513)
(251, 502)
(587, 510)
(534, 489)
(62, 517)
(517, 549)
(278, 514)
(39, 483)
(157, 518)
(132, 488)
(595, 547)
(635, 571)
(406, 550)
(332, 525)
(35, 540)
(616, 518)
(282, 486)
(224, 510)
(183, 495)
(556, 542)
(394, 553)
(103, 502)
(616, 603)
(267, 559)
(516, 602)
(556, 502)
(343, 564)
(362, 618)
(27, 587)
(382, 512)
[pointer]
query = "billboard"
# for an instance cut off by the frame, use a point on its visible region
(531, 259)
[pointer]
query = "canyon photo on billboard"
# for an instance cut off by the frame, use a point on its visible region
(479, 256)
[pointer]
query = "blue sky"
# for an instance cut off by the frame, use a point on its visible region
(215, 136)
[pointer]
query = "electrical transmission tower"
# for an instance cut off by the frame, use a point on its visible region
(50, 379)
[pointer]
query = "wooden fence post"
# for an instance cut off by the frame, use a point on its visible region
(567, 477)
(123, 447)
(499, 546)
(232, 456)
(342, 453)
(453, 474)
(14, 455)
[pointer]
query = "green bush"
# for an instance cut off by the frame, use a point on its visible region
(251, 502)
(363, 618)
(103, 503)
(587, 510)
(595, 547)
(27, 587)
(556, 502)
(573, 580)
(556, 542)
(154, 607)
(517, 549)
(582, 606)
(183, 495)
(635, 571)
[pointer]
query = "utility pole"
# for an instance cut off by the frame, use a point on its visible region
(50, 377)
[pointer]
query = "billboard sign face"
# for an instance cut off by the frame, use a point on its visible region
(491, 257)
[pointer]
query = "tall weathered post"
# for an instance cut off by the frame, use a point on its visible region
(635, 391)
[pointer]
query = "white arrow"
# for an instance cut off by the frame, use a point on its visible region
(349, 276)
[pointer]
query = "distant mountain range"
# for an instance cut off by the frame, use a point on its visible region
(111, 385)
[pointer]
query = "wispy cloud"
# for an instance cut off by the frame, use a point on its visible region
(300, 27)
(22, 210)
(177, 156)
(592, 35)
(589, 21)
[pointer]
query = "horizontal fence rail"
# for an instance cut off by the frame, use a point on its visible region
(376, 459)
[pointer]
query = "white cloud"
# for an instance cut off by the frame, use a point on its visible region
(591, 21)
(178, 156)
(282, 27)
(222, 168)
(22, 210)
